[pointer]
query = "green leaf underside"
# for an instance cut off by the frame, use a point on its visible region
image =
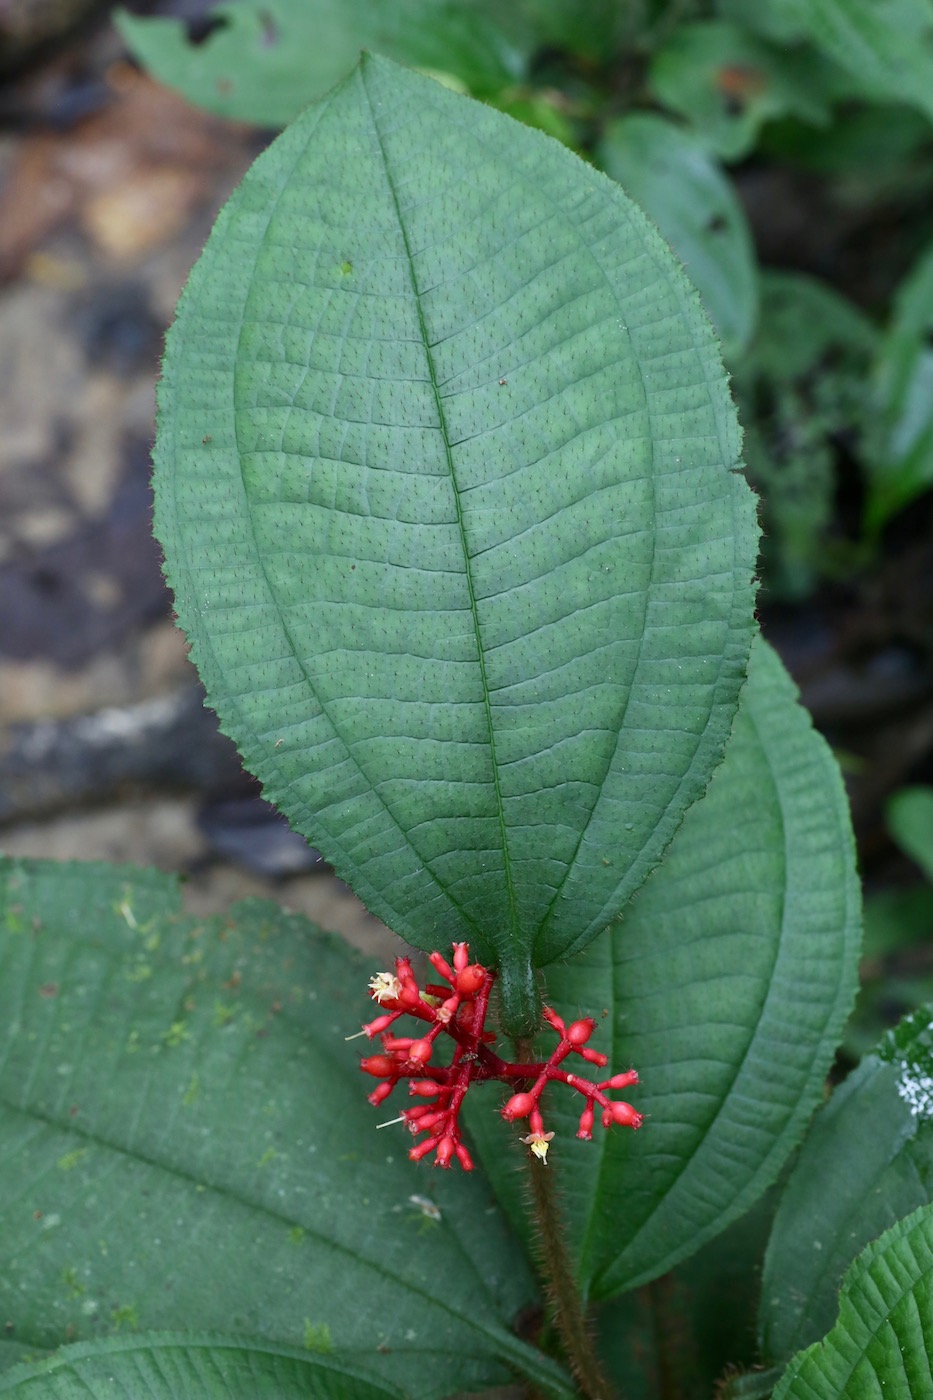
(165, 1366)
(867, 1162)
(882, 1343)
(727, 985)
(268, 59)
(680, 186)
(445, 484)
(185, 1142)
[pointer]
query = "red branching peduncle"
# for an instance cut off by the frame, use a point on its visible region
(459, 1009)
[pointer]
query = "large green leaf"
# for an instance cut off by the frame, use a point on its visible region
(265, 60)
(166, 1366)
(669, 172)
(882, 1344)
(185, 1142)
(446, 484)
(867, 1161)
(727, 985)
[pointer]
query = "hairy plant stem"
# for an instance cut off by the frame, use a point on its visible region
(570, 1319)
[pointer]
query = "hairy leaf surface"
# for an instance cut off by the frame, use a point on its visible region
(867, 1161)
(446, 484)
(882, 1343)
(185, 1142)
(727, 984)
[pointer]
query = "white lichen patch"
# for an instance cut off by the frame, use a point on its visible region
(915, 1088)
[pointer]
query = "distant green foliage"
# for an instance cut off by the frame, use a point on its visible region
(801, 392)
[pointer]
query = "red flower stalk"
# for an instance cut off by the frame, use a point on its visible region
(459, 1009)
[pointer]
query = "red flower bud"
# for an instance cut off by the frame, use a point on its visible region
(422, 1149)
(419, 1052)
(622, 1113)
(518, 1106)
(379, 1066)
(381, 1091)
(463, 1157)
(585, 1130)
(441, 965)
(425, 1121)
(595, 1057)
(621, 1081)
(445, 1150)
(423, 1088)
(470, 980)
(461, 956)
(579, 1033)
(381, 1023)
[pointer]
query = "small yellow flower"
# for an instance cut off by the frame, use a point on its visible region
(538, 1142)
(385, 986)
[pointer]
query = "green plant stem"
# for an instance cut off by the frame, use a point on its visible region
(570, 1318)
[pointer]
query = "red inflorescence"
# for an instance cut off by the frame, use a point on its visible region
(459, 1009)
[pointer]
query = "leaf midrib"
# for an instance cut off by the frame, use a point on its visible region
(514, 922)
(194, 622)
(72, 1130)
(504, 1346)
(172, 1169)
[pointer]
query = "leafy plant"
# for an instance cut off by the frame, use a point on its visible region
(449, 488)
